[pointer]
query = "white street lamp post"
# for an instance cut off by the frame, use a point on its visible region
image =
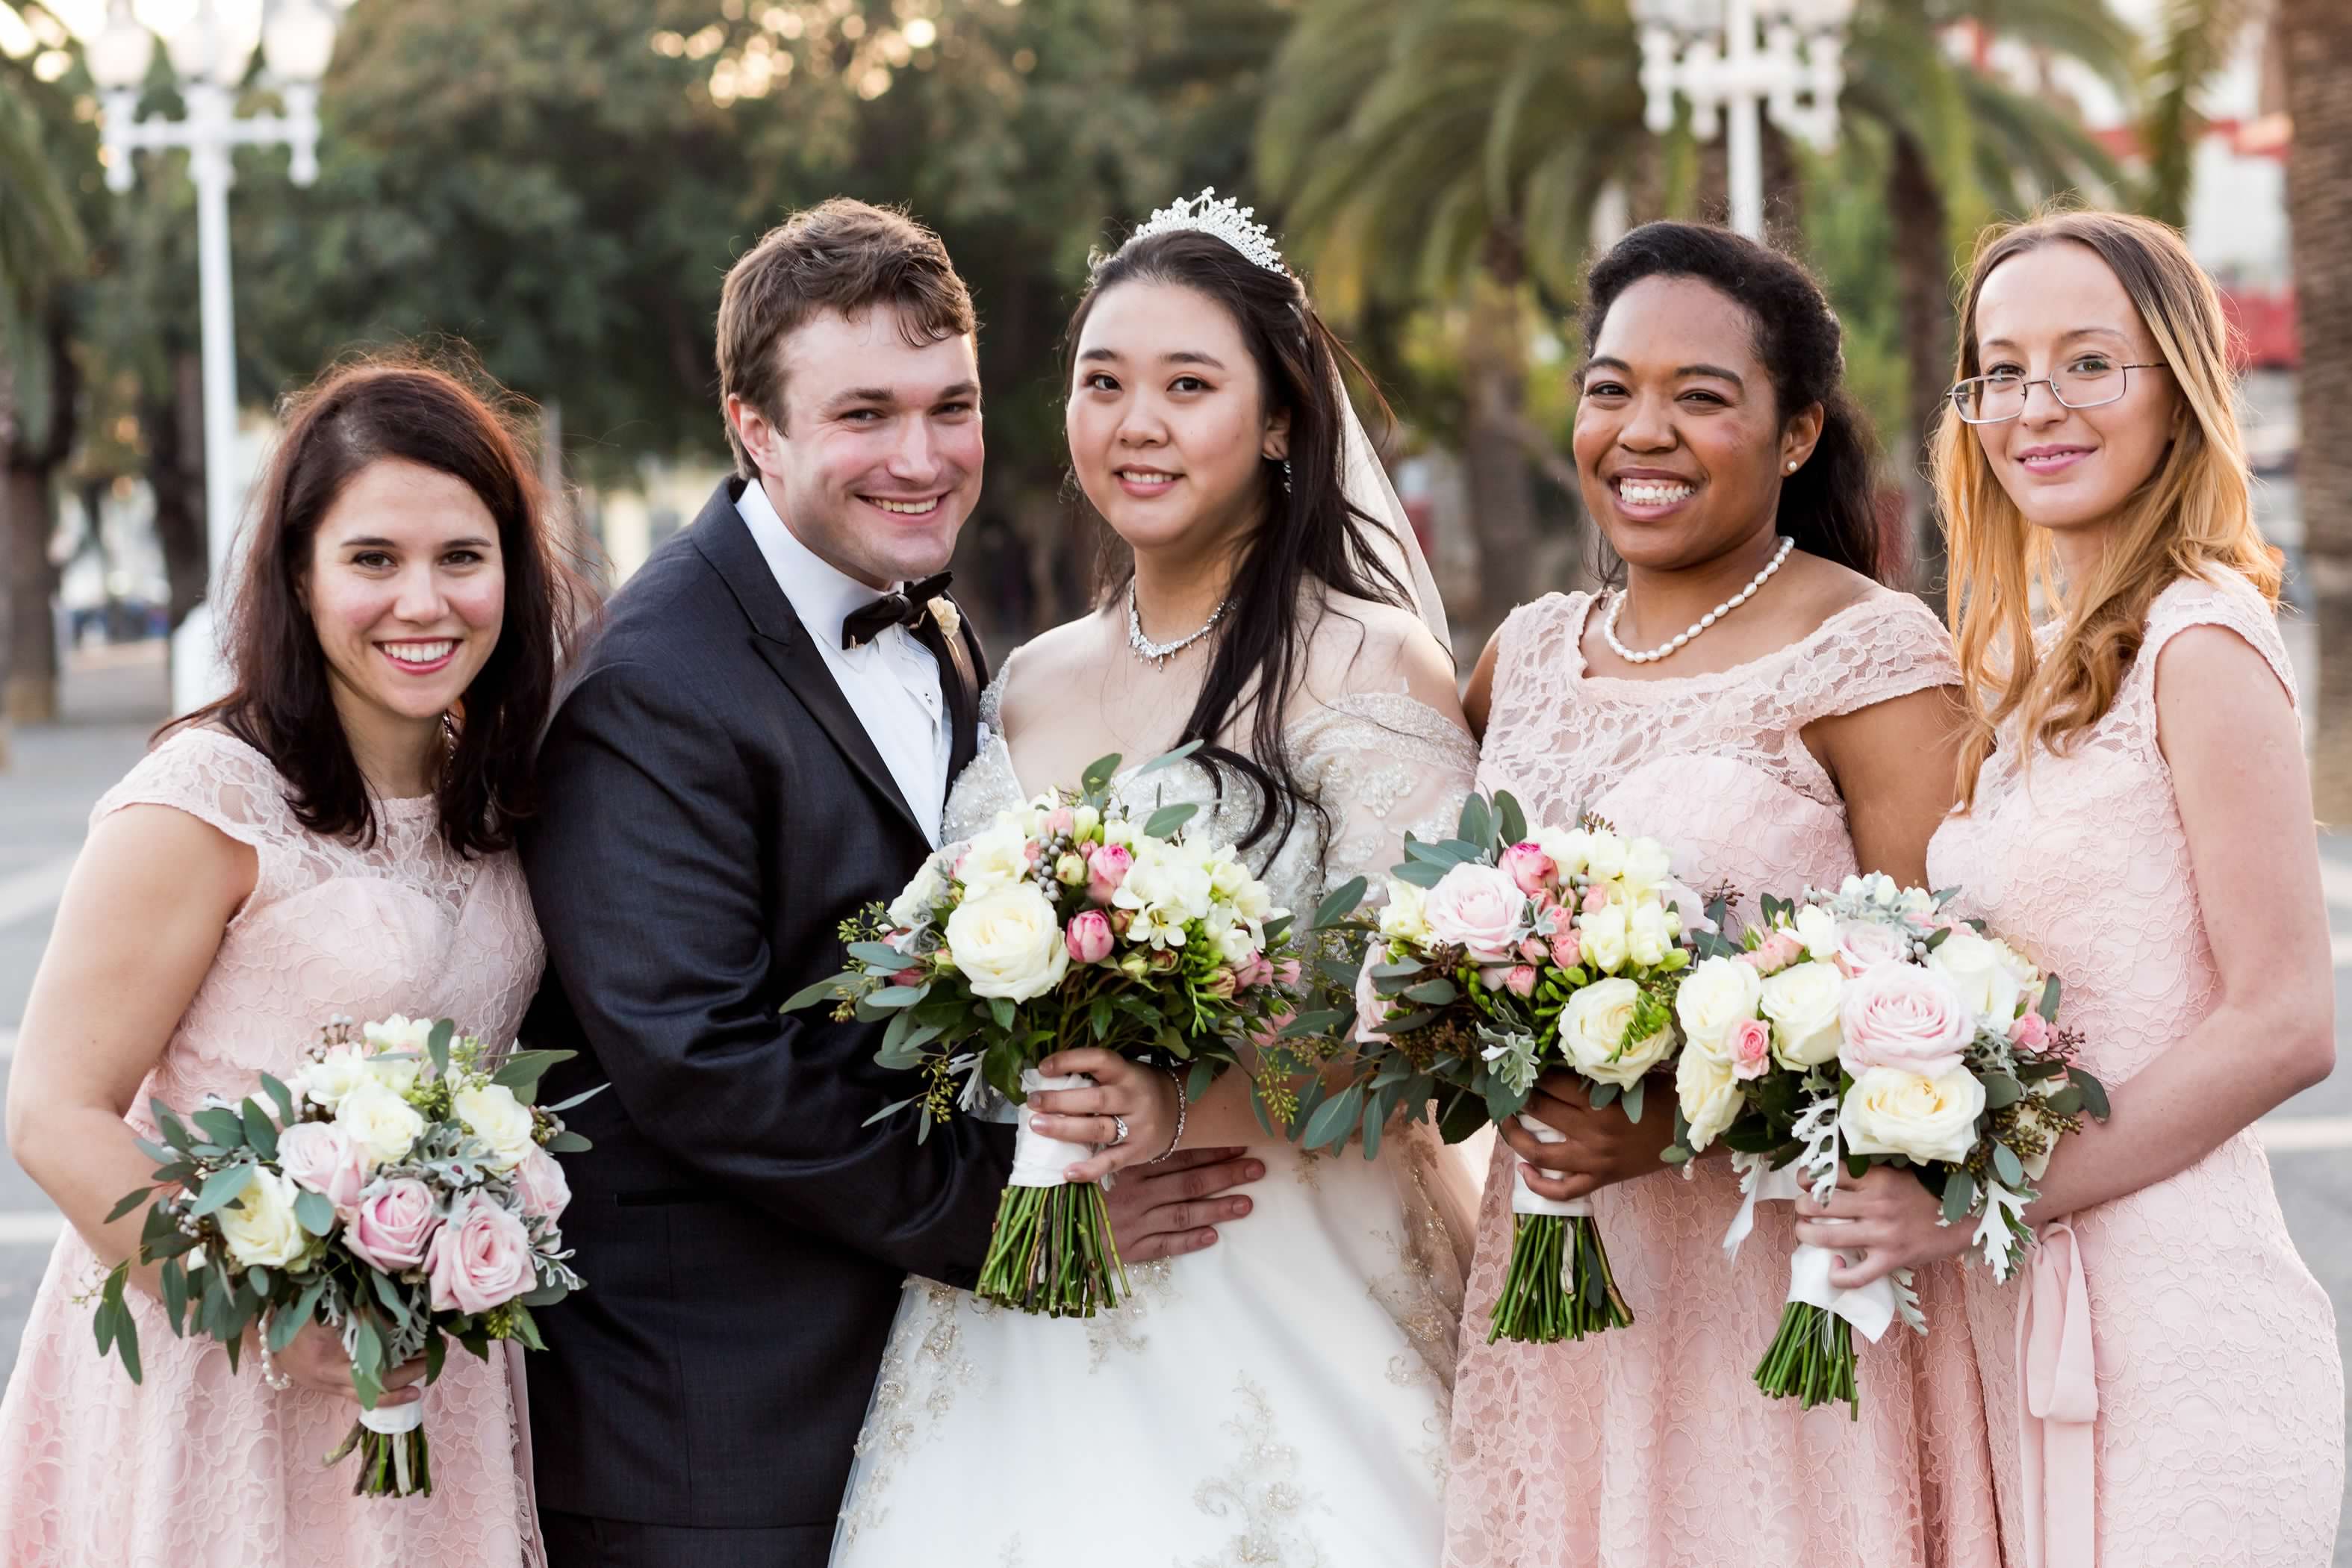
(1711, 52)
(210, 52)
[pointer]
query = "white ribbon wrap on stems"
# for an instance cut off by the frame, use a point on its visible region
(392, 1420)
(1869, 1308)
(1524, 1199)
(1039, 1160)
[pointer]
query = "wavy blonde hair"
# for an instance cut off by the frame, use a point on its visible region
(2194, 513)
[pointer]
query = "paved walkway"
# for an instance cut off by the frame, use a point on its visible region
(114, 697)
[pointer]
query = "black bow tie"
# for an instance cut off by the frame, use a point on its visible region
(905, 608)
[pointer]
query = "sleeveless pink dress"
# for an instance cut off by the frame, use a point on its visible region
(197, 1466)
(1651, 1444)
(2219, 1433)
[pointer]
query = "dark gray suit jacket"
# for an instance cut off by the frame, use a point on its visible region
(712, 809)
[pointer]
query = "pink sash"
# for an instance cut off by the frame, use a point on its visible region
(2058, 1406)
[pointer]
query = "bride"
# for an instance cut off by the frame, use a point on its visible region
(1281, 1397)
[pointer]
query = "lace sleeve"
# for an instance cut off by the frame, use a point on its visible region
(1870, 653)
(1382, 764)
(222, 781)
(2234, 604)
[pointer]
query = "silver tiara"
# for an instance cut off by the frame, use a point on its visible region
(1227, 219)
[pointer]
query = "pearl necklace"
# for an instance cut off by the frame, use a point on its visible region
(1158, 654)
(1617, 608)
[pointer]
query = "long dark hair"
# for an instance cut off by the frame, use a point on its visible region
(1826, 505)
(282, 704)
(1310, 531)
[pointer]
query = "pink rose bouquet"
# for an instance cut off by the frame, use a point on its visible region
(1898, 1034)
(1498, 954)
(1066, 921)
(401, 1190)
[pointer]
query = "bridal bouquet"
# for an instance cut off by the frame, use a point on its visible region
(400, 1191)
(1500, 953)
(1067, 922)
(1865, 1026)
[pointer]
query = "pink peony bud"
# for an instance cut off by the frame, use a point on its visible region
(1529, 866)
(1060, 820)
(1496, 976)
(1088, 938)
(1750, 1044)
(393, 1224)
(1521, 980)
(1535, 950)
(1567, 948)
(2031, 1032)
(480, 1259)
(1107, 866)
(1596, 898)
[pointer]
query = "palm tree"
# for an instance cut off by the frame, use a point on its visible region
(2316, 36)
(2196, 38)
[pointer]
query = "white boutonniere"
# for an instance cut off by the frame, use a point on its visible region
(943, 612)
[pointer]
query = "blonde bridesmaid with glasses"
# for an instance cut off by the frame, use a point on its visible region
(2136, 814)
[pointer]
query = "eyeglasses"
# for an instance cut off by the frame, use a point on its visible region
(2088, 383)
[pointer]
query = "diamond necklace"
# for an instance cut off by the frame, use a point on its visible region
(1158, 654)
(1674, 644)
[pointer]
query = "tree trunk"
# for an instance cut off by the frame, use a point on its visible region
(1499, 479)
(30, 694)
(10, 431)
(1923, 267)
(174, 432)
(2317, 39)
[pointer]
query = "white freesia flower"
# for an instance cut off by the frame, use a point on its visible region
(1604, 856)
(1802, 1001)
(1007, 943)
(1980, 971)
(1593, 1029)
(1649, 933)
(1717, 993)
(260, 1226)
(1605, 938)
(1170, 881)
(494, 1116)
(383, 1127)
(327, 1080)
(1891, 1112)
(1818, 929)
(911, 909)
(997, 857)
(1647, 866)
(1570, 850)
(1709, 1095)
(398, 1033)
(1405, 916)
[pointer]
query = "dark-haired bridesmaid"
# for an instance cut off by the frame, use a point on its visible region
(1751, 695)
(331, 837)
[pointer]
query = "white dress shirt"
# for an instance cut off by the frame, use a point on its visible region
(892, 682)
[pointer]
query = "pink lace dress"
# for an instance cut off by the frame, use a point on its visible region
(1650, 1445)
(197, 1466)
(2218, 1436)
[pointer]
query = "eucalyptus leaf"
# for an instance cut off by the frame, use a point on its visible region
(1420, 873)
(1434, 993)
(2049, 1008)
(1341, 901)
(223, 1125)
(282, 1097)
(582, 1097)
(567, 1142)
(130, 1201)
(436, 1044)
(2094, 1093)
(2007, 1165)
(1511, 822)
(259, 1131)
(827, 989)
(1160, 824)
(1098, 774)
(1334, 1118)
(1959, 1195)
(1632, 1097)
(1166, 759)
(1375, 1116)
(314, 1213)
(1477, 824)
(1674, 1154)
(220, 1188)
(892, 996)
(2000, 1090)
(522, 1072)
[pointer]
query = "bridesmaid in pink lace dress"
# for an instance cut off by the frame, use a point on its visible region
(1779, 742)
(2144, 830)
(324, 841)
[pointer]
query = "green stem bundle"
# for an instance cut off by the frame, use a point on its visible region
(1811, 1359)
(1558, 1285)
(1053, 1253)
(395, 1464)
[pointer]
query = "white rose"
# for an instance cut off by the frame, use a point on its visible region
(494, 1116)
(1891, 1112)
(1817, 929)
(1709, 1095)
(1646, 864)
(399, 1074)
(382, 1126)
(997, 857)
(1570, 849)
(911, 909)
(1405, 917)
(1717, 993)
(1007, 943)
(260, 1227)
(1593, 1029)
(1604, 856)
(1605, 938)
(327, 1080)
(398, 1033)
(1802, 1001)
(1866, 944)
(1977, 970)
(1649, 933)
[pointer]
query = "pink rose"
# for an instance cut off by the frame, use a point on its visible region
(911, 975)
(1567, 948)
(2031, 1032)
(1866, 944)
(1107, 866)
(1256, 973)
(1060, 820)
(1903, 1016)
(1496, 976)
(542, 1185)
(1535, 950)
(1088, 938)
(1478, 908)
(1288, 973)
(1529, 867)
(318, 1155)
(1750, 1044)
(480, 1259)
(393, 1224)
(1781, 949)
(1223, 984)
(1371, 1008)
(1596, 898)
(1268, 1035)
(1521, 981)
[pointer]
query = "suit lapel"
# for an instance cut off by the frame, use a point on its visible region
(784, 644)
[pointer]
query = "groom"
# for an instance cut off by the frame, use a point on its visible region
(759, 745)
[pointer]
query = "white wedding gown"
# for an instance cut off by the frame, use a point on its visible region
(1278, 1399)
